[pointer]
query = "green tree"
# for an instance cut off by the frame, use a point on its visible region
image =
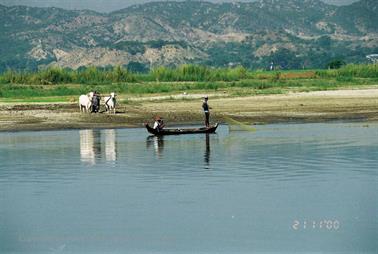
(335, 64)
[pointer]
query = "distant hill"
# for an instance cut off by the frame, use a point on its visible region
(289, 33)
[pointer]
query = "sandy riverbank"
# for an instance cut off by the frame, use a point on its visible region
(300, 107)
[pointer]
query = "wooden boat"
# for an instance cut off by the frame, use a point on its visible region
(180, 131)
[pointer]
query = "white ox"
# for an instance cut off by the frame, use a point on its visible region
(110, 102)
(85, 102)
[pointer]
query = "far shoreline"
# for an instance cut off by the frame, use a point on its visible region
(349, 105)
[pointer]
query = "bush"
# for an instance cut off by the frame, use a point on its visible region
(335, 64)
(184, 73)
(53, 75)
(359, 70)
(190, 72)
(11, 76)
(351, 70)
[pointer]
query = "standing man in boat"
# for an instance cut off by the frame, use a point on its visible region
(206, 110)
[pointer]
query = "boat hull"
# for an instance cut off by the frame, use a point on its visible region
(180, 131)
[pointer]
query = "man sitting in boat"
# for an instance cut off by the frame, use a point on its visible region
(159, 124)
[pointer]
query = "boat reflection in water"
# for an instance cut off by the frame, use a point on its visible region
(110, 145)
(207, 151)
(91, 145)
(157, 142)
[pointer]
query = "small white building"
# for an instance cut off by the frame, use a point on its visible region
(373, 58)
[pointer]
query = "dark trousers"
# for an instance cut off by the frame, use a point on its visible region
(207, 117)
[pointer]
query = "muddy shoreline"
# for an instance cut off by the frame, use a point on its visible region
(322, 106)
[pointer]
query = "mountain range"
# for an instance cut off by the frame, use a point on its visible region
(289, 33)
(113, 5)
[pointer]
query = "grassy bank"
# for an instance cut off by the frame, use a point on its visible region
(188, 78)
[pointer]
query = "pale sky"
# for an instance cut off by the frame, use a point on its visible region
(111, 5)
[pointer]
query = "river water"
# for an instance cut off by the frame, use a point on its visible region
(283, 188)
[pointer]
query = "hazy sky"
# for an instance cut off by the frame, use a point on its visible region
(110, 5)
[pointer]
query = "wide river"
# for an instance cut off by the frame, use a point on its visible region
(279, 189)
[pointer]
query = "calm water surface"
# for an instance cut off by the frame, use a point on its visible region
(283, 188)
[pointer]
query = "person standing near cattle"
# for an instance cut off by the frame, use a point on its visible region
(95, 102)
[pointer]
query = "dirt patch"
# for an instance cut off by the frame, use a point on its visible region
(307, 74)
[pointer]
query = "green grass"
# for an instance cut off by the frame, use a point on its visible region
(56, 75)
(58, 99)
(351, 71)
(25, 91)
(187, 78)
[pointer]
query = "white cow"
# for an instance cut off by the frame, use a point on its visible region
(85, 102)
(110, 102)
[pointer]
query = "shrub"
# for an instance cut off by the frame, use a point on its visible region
(351, 70)
(335, 64)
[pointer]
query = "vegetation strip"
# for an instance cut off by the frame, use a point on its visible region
(236, 81)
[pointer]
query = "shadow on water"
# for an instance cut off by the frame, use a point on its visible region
(157, 142)
(207, 151)
(91, 148)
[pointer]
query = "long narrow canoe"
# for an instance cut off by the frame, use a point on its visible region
(179, 131)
